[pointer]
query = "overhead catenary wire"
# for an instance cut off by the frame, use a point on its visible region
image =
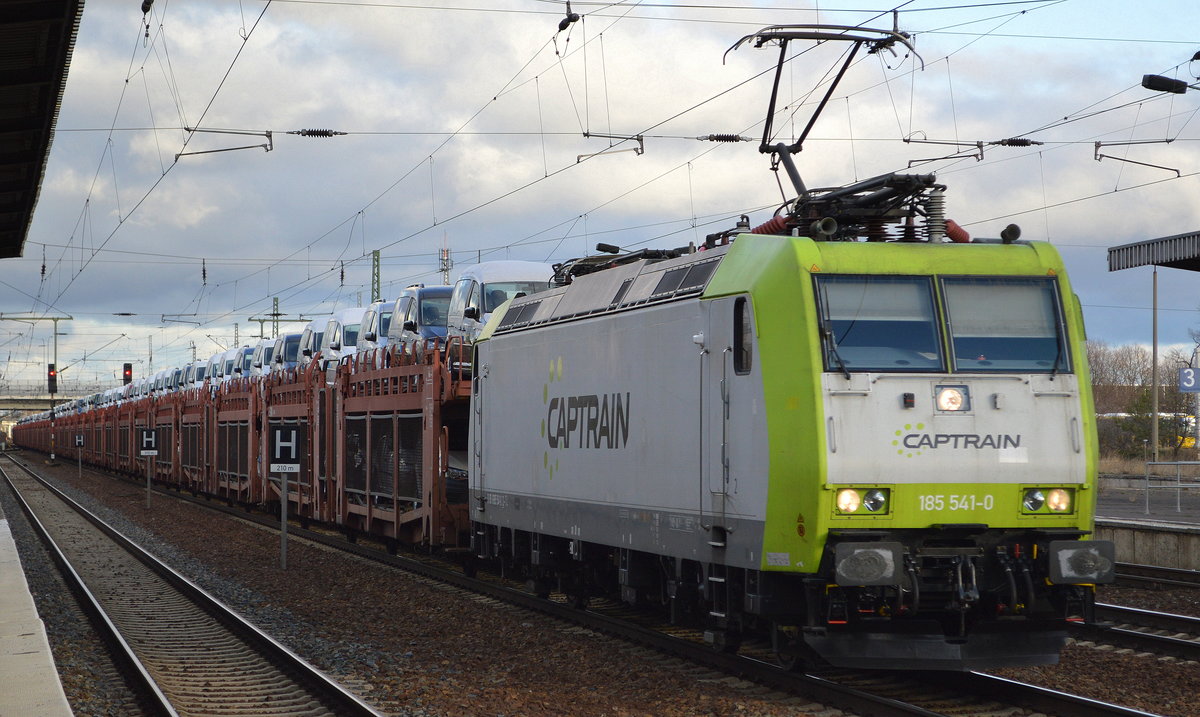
(858, 139)
(160, 178)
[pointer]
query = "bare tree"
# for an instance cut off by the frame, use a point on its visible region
(1120, 376)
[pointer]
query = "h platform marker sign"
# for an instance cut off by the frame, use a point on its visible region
(287, 445)
(149, 447)
(149, 442)
(286, 448)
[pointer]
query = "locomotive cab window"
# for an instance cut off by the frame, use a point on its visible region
(743, 336)
(1010, 323)
(878, 323)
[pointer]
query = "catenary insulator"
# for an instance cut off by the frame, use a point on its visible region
(316, 132)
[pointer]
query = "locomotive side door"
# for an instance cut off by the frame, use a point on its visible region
(727, 346)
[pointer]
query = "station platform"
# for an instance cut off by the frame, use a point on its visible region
(1165, 505)
(30, 684)
(1156, 527)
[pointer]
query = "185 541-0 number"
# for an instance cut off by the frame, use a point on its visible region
(955, 501)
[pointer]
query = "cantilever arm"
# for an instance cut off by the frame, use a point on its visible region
(876, 38)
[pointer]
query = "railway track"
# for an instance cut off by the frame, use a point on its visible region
(1133, 575)
(876, 693)
(1143, 630)
(187, 653)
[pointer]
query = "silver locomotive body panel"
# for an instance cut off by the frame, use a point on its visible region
(610, 430)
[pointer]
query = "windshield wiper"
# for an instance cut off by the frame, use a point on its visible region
(833, 352)
(1058, 354)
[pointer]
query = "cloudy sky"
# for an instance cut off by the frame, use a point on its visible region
(465, 126)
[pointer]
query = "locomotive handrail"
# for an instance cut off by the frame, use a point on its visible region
(1175, 482)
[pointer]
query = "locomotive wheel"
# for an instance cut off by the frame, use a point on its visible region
(787, 646)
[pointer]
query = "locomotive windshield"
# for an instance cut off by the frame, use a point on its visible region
(879, 323)
(889, 323)
(1005, 324)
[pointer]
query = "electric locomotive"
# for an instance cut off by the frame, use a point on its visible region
(850, 429)
(881, 453)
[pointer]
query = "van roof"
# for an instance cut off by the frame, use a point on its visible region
(343, 316)
(508, 270)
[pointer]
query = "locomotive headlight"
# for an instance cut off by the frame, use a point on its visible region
(848, 500)
(1058, 500)
(1034, 500)
(952, 398)
(875, 501)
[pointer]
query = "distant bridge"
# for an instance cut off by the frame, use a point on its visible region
(32, 395)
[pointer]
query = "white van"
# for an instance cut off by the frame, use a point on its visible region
(285, 354)
(158, 384)
(213, 368)
(231, 364)
(194, 376)
(260, 360)
(241, 362)
(375, 324)
(340, 338)
(310, 339)
(483, 287)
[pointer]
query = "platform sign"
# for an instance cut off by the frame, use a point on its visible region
(79, 440)
(1189, 380)
(149, 442)
(287, 445)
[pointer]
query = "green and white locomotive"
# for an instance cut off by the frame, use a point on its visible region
(851, 430)
(882, 453)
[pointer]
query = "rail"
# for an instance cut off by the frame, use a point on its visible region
(1176, 483)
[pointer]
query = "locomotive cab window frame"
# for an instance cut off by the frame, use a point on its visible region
(879, 322)
(1005, 324)
(743, 336)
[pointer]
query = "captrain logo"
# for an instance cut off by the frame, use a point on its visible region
(912, 440)
(582, 421)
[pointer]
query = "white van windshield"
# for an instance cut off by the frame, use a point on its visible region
(499, 292)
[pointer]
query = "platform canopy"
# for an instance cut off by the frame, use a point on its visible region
(1181, 251)
(36, 40)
